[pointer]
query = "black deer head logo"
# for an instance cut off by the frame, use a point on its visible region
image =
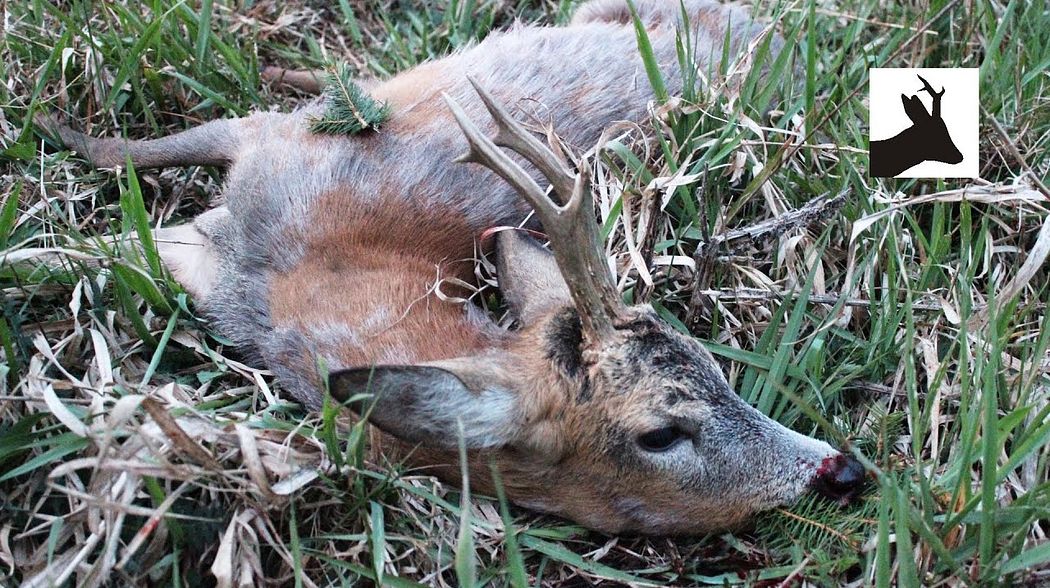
(927, 139)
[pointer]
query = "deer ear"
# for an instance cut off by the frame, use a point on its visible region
(425, 403)
(914, 108)
(528, 276)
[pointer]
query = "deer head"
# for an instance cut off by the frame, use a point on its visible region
(592, 409)
(927, 139)
(935, 142)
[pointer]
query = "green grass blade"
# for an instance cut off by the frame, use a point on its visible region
(378, 539)
(563, 554)
(9, 214)
(645, 49)
(516, 574)
(466, 558)
(203, 32)
(61, 446)
(134, 209)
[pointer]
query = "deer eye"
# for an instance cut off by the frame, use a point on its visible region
(661, 439)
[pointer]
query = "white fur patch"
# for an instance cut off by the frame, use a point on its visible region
(190, 257)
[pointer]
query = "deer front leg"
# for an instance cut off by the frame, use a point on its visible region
(304, 80)
(310, 81)
(213, 143)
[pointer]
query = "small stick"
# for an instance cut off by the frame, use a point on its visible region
(817, 210)
(310, 81)
(1011, 146)
(745, 295)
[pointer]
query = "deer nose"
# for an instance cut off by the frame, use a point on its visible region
(840, 478)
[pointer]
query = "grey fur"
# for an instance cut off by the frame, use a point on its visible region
(558, 74)
(580, 78)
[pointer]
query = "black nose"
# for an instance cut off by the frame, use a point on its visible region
(840, 478)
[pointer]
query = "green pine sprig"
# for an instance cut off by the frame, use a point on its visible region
(349, 109)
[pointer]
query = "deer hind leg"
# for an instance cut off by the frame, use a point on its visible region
(213, 143)
(705, 16)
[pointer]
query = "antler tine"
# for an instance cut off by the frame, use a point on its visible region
(485, 152)
(511, 134)
(571, 227)
(936, 96)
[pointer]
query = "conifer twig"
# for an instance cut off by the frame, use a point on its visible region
(349, 109)
(841, 537)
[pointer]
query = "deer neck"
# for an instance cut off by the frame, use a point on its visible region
(359, 307)
(899, 152)
(364, 290)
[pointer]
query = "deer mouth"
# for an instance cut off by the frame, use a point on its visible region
(840, 478)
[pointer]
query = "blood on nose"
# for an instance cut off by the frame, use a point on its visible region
(840, 478)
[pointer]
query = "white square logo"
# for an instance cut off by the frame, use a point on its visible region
(924, 122)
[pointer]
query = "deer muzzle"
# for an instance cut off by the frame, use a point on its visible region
(840, 478)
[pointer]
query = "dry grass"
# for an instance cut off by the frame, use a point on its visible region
(135, 446)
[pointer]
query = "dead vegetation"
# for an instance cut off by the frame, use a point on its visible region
(906, 317)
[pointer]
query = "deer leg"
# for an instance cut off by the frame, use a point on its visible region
(705, 17)
(213, 143)
(310, 81)
(304, 80)
(601, 11)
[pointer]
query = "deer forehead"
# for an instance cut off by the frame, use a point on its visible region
(647, 378)
(647, 358)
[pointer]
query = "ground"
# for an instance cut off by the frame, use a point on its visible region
(137, 447)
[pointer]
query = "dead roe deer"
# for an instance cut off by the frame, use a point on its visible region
(328, 247)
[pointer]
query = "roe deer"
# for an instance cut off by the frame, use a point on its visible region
(927, 139)
(328, 246)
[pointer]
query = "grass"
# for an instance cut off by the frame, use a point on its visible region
(135, 447)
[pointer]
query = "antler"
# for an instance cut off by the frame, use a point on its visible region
(926, 87)
(568, 218)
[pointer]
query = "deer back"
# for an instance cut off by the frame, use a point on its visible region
(302, 205)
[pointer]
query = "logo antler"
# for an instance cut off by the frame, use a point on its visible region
(926, 87)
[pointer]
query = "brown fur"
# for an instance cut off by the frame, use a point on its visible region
(409, 323)
(414, 98)
(327, 250)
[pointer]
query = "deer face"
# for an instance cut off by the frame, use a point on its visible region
(929, 130)
(592, 409)
(637, 432)
(659, 442)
